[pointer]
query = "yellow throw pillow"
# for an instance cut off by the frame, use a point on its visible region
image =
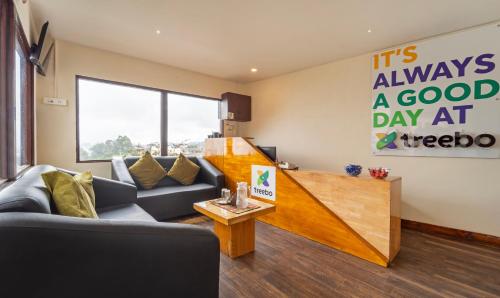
(69, 195)
(85, 179)
(147, 171)
(184, 170)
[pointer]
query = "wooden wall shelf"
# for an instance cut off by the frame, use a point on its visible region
(360, 216)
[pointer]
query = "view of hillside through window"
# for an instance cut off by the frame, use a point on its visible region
(119, 120)
(190, 121)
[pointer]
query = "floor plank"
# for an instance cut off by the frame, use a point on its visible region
(287, 265)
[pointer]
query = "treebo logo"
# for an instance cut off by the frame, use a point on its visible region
(262, 180)
(484, 140)
(386, 140)
(458, 140)
(263, 176)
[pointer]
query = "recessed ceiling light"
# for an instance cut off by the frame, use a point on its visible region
(254, 70)
(158, 31)
(369, 30)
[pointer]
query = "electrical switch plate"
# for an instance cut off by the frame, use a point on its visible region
(55, 101)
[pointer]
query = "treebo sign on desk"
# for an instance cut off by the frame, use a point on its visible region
(439, 97)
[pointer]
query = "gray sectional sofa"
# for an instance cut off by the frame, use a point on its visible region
(124, 253)
(169, 198)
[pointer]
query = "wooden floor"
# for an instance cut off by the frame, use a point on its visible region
(287, 265)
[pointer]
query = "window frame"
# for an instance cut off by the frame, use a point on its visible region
(163, 112)
(11, 33)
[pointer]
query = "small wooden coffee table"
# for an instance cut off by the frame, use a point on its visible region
(236, 232)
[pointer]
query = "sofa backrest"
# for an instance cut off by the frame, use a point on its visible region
(166, 162)
(28, 193)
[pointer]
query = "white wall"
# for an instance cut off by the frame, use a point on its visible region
(24, 13)
(56, 125)
(320, 118)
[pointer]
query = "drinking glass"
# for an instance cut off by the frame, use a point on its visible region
(226, 194)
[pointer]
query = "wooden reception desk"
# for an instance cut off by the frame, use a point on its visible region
(357, 215)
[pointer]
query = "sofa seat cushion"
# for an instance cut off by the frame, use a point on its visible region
(124, 212)
(178, 190)
(174, 201)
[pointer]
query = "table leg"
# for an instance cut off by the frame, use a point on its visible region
(237, 239)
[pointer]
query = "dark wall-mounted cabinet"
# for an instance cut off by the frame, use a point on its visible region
(235, 107)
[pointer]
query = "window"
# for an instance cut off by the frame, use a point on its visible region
(16, 95)
(117, 119)
(190, 121)
(22, 104)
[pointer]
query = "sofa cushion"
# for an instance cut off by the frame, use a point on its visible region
(124, 212)
(69, 195)
(85, 179)
(28, 193)
(147, 171)
(184, 170)
(167, 202)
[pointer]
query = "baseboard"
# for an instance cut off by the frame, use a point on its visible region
(451, 232)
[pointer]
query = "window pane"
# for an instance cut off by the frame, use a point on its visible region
(117, 120)
(21, 113)
(190, 121)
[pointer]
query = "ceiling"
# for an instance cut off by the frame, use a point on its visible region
(226, 38)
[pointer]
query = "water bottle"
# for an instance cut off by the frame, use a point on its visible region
(242, 195)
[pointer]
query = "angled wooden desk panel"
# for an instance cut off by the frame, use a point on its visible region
(362, 202)
(301, 211)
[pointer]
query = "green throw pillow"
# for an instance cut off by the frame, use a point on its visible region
(147, 171)
(184, 170)
(69, 195)
(85, 179)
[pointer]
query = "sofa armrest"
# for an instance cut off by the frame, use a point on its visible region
(109, 192)
(119, 171)
(210, 174)
(56, 256)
